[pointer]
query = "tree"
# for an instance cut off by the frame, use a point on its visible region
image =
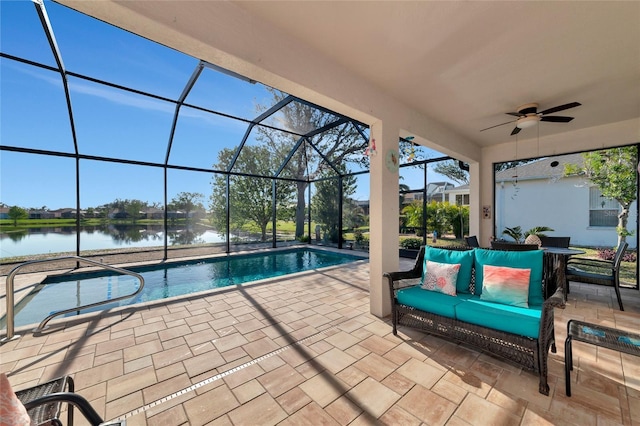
(436, 217)
(250, 194)
(127, 208)
(133, 209)
(614, 172)
(458, 218)
(452, 170)
(353, 215)
(413, 215)
(187, 201)
(16, 213)
(339, 145)
(403, 188)
(325, 204)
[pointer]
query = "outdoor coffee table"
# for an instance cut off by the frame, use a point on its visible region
(606, 337)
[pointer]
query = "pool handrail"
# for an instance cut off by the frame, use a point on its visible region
(10, 292)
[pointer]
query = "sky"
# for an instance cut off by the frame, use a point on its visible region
(114, 123)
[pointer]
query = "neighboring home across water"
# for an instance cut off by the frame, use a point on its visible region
(538, 194)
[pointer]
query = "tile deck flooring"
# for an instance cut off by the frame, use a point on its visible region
(306, 350)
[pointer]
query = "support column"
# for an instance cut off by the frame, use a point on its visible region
(383, 218)
(476, 218)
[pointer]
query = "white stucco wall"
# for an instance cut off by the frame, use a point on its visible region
(562, 205)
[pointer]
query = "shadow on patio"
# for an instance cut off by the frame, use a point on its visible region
(305, 350)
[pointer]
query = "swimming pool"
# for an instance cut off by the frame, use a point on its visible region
(167, 280)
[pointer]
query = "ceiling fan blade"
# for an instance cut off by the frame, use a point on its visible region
(497, 125)
(515, 131)
(516, 114)
(556, 119)
(560, 108)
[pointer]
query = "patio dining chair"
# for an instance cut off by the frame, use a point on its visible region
(555, 241)
(472, 241)
(597, 271)
(501, 245)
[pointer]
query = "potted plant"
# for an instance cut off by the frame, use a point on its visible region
(409, 247)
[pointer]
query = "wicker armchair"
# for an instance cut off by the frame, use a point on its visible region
(595, 271)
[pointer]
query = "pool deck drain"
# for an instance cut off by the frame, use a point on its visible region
(220, 376)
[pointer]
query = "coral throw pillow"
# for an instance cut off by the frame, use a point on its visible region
(509, 286)
(441, 277)
(12, 412)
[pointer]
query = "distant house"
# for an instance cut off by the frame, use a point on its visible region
(118, 214)
(435, 192)
(4, 212)
(41, 214)
(538, 194)
(458, 195)
(176, 214)
(65, 213)
(153, 213)
(364, 205)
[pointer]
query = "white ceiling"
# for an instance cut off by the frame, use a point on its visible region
(464, 64)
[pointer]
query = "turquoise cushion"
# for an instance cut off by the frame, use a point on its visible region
(513, 259)
(464, 258)
(430, 301)
(511, 319)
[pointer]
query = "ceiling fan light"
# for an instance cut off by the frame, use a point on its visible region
(528, 121)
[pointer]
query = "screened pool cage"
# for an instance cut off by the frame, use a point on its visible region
(159, 151)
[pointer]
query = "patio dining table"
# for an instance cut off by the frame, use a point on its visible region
(559, 257)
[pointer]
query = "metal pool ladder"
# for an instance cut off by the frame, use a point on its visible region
(10, 295)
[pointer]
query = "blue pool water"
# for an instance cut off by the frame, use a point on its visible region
(168, 280)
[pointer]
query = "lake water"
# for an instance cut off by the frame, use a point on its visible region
(63, 239)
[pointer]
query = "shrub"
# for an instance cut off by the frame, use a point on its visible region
(304, 239)
(610, 254)
(363, 242)
(411, 243)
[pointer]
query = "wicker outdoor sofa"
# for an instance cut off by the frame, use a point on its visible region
(443, 315)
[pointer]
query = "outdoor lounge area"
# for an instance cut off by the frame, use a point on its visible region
(306, 350)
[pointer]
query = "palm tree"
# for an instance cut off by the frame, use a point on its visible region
(515, 233)
(538, 231)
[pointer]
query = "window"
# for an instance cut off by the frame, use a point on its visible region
(462, 199)
(603, 212)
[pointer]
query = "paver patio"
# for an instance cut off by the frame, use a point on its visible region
(306, 350)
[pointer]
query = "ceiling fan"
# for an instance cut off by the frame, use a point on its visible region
(528, 116)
